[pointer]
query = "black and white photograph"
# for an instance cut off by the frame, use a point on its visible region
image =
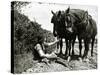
(53, 37)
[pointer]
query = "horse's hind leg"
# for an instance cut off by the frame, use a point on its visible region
(92, 45)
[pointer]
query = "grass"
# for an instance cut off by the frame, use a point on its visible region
(22, 62)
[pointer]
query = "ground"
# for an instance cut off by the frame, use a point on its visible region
(74, 64)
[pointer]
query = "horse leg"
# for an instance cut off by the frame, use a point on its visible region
(80, 47)
(66, 52)
(61, 46)
(58, 43)
(92, 45)
(73, 42)
(69, 46)
(86, 42)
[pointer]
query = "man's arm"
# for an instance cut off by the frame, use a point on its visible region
(52, 43)
(42, 54)
(39, 50)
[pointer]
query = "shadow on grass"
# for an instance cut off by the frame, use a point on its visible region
(75, 57)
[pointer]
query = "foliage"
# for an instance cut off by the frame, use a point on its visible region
(17, 5)
(26, 33)
(25, 37)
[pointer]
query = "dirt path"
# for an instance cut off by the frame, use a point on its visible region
(75, 64)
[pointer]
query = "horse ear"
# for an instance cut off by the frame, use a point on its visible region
(59, 12)
(52, 12)
(67, 11)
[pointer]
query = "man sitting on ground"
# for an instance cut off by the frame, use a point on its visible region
(39, 49)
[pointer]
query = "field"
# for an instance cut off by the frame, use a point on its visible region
(74, 64)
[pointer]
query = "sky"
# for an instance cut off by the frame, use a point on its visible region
(41, 13)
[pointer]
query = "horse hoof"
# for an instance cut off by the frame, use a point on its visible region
(80, 59)
(69, 58)
(86, 60)
(57, 54)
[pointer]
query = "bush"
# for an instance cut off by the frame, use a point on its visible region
(26, 33)
(25, 37)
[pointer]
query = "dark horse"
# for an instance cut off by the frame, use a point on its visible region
(84, 26)
(59, 30)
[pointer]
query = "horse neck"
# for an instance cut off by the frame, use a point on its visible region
(77, 14)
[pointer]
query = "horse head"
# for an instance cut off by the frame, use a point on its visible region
(57, 22)
(69, 21)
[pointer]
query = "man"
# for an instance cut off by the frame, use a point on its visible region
(39, 49)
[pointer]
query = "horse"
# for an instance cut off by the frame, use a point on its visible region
(83, 26)
(59, 29)
(56, 21)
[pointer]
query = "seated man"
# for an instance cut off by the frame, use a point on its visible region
(39, 48)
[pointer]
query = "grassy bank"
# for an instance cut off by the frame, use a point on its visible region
(22, 62)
